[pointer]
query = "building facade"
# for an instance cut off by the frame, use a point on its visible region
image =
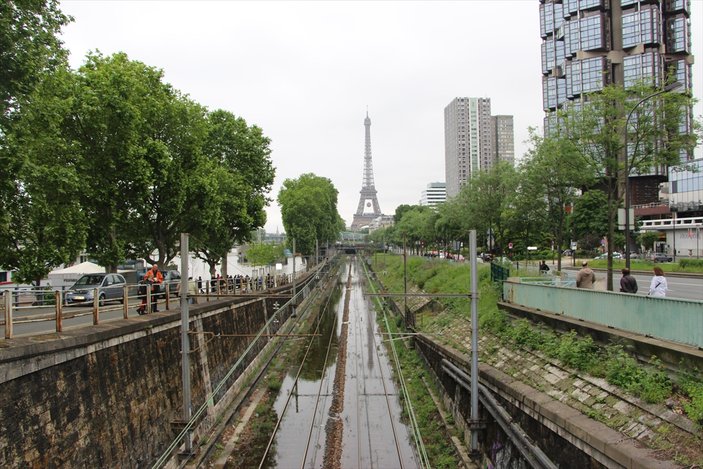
(434, 194)
(588, 44)
(470, 140)
(504, 138)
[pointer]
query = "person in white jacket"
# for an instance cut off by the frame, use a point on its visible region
(658, 287)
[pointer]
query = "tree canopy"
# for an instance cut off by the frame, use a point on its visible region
(309, 211)
(112, 160)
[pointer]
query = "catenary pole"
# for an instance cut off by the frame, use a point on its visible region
(474, 343)
(185, 345)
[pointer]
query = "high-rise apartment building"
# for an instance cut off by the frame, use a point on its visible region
(588, 44)
(434, 194)
(469, 140)
(504, 140)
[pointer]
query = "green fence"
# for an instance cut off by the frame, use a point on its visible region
(665, 318)
(499, 273)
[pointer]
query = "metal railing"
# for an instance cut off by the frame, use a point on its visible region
(26, 305)
(672, 319)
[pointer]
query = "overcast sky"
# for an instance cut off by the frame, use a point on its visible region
(306, 72)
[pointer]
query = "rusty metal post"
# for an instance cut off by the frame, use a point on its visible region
(96, 307)
(58, 302)
(125, 302)
(148, 298)
(7, 298)
(168, 296)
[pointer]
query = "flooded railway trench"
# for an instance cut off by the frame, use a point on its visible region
(358, 424)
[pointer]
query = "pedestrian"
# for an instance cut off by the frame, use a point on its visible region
(658, 287)
(192, 290)
(543, 268)
(628, 283)
(585, 278)
(156, 278)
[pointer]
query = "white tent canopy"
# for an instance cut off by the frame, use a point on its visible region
(68, 276)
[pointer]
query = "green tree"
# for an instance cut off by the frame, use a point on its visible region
(43, 223)
(235, 209)
(309, 211)
(647, 239)
(264, 253)
(29, 50)
(550, 176)
(488, 199)
(416, 227)
(597, 130)
(138, 143)
(589, 219)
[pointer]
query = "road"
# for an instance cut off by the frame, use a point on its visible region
(80, 316)
(689, 288)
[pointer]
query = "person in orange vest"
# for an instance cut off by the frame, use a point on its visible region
(156, 278)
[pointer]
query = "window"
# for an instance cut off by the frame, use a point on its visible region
(586, 75)
(641, 27)
(586, 4)
(678, 6)
(630, 29)
(640, 67)
(591, 33)
(677, 33)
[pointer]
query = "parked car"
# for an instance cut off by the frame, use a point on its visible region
(661, 257)
(616, 255)
(110, 288)
(567, 252)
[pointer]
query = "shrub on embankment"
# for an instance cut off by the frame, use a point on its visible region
(612, 363)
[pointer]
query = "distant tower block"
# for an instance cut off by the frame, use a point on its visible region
(368, 208)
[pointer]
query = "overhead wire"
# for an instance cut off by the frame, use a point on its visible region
(417, 435)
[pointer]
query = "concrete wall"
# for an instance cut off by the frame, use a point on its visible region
(567, 437)
(108, 396)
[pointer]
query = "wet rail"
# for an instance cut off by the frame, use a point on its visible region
(338, 406)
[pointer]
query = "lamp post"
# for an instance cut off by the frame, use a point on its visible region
(670, 87)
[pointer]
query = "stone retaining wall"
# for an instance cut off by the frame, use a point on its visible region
(108, 396)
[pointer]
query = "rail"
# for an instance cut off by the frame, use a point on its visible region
(27, 305)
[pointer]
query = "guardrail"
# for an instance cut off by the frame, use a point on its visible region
(40, 304)
(672, 319)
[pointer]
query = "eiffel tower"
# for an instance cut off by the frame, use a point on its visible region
(368, 199)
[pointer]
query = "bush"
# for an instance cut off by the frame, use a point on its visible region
(684, 263)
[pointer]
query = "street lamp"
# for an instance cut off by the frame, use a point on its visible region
(670, 87)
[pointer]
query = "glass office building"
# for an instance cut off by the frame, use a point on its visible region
(588, 44)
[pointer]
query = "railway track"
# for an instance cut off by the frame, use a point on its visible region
(357, 424)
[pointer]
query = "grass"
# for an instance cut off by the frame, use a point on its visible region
(650, 383)
(693, 266)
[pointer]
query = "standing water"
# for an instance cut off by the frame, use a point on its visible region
(344, 410)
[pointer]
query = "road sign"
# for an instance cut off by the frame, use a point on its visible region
(510, 245)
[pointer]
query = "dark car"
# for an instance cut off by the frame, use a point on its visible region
(661, 257)
(110, 287)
